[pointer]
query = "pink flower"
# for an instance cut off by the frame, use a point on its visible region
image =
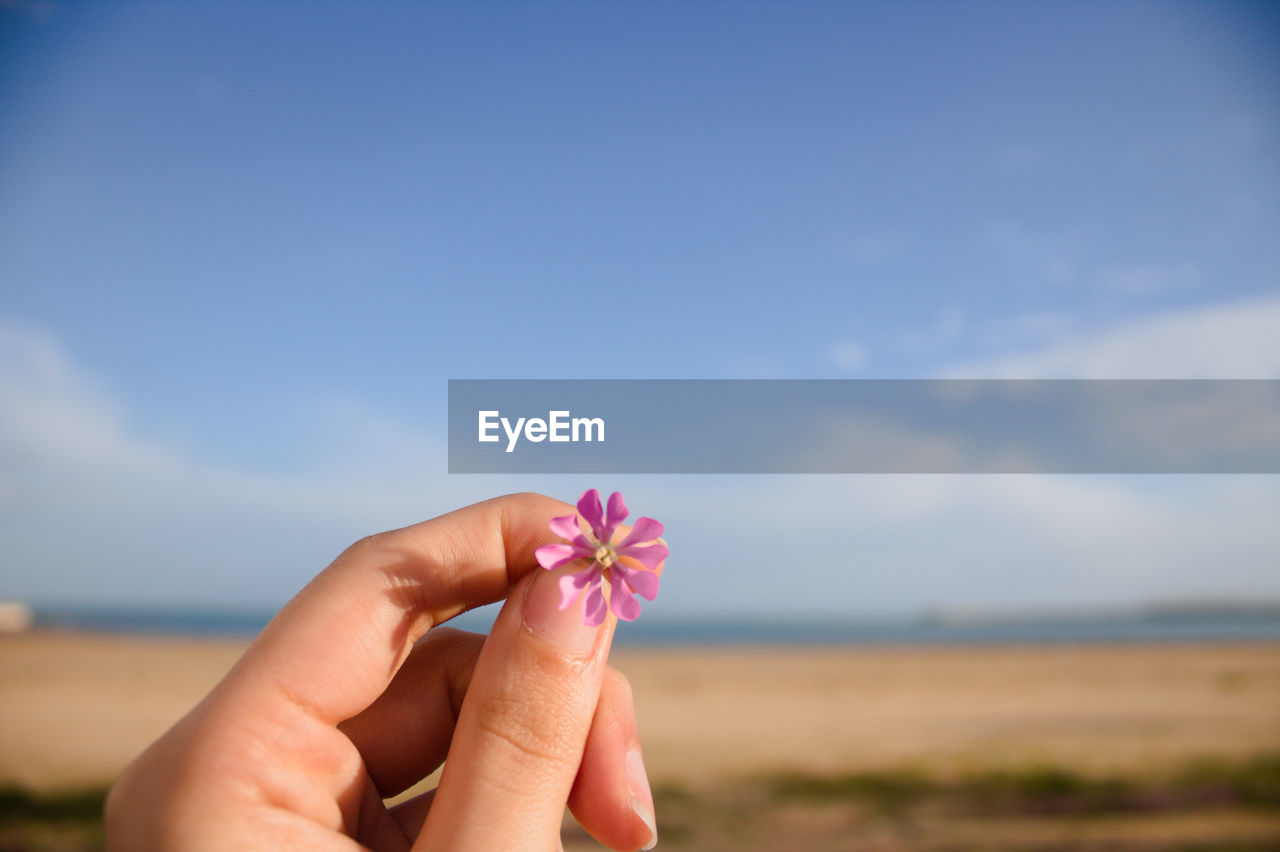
(606, 559)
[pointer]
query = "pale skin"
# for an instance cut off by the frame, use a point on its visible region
(346, 699)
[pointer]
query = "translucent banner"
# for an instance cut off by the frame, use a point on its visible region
(864, 426)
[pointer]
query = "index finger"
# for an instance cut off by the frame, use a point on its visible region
(334, 648)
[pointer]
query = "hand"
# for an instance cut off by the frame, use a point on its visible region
(338, 705)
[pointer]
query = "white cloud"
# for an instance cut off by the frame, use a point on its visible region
(93, 513)
(1053, 259)
(947, 327)
(88, 509)
(876, 543)
(848, 357)
(1137, 279)
(1064, 259)
(1029, 328)
(46, 403)
(1237, 340)
(952, 327)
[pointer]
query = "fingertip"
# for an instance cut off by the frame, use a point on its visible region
(611, 797)
(641, 795)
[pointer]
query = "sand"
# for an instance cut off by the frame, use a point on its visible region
(1092, 708)
(74, 709)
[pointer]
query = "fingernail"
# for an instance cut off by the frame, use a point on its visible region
(641, 795)
(562, 627)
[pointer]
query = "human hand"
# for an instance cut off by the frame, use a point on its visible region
(337, 705)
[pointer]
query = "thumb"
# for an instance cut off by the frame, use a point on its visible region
(522, 726)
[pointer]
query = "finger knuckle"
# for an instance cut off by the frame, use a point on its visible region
(525, 731)
(361, 547)
(619, 682)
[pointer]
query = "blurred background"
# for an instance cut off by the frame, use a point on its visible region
(243, 246)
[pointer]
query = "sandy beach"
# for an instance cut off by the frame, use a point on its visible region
(76, 708)
(1095, 708)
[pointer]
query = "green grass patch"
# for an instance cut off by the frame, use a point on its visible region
(63, 821)
(1253, 782)
(1040, 789)
(81, 806)
(882, 790)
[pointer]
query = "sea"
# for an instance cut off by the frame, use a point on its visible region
(1148, 624)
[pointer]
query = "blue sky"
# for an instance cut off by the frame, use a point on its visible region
(243, 246)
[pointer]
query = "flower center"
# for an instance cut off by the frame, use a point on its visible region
(606, 555)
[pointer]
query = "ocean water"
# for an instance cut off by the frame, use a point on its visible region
(1210, 624)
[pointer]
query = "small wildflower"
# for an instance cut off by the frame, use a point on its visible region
(625, 581)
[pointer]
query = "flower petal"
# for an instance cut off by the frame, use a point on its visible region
(589, 508)
(595, 609)
(569, 591)
(566, 527)
(621, 601)
(648, 555)
(643, 583)
(646, 529)
(571, 585)
(617, 514)
(552, 556)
